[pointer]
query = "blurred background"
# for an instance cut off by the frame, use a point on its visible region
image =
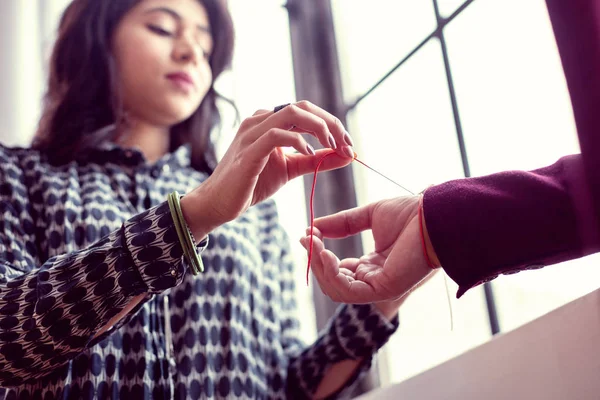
(430, 90)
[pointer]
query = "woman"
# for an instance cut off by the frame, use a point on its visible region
(96, 300)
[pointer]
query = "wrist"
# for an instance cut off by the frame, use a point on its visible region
(428, 249)
(389, 309)
(199, 214)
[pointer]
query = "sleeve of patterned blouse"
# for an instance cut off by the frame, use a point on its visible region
(352, 337)
(51, 308)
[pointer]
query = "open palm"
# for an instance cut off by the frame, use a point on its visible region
(389, 272)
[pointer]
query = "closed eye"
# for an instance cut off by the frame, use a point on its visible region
(159, 31)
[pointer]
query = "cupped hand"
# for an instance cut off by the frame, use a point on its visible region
(393, 269)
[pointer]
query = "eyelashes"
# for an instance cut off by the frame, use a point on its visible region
(163, 32)
(159, 31)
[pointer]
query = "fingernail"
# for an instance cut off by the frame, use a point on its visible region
(348, 151)
(348, 139)
(332, 142)
(310, 149)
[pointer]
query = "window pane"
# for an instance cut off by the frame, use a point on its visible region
(447, 7)
(405, 129)
(512, 94)
(516, 114)
(373, 36)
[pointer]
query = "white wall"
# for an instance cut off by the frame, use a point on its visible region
(555, 357)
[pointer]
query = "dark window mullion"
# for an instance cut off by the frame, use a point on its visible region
(318, 79)
(442, 22)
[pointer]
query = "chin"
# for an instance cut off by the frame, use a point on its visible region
(174, 116)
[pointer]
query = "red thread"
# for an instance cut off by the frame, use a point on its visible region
(429, 263)
(312, 212)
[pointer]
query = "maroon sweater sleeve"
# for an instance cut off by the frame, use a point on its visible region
(482, 227)
(510, 221)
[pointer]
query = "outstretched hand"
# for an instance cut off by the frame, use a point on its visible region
(392, 270)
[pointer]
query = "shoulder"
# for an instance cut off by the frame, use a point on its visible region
(17, 160)
(17, 165)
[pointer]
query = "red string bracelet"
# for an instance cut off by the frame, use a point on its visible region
(429, 263)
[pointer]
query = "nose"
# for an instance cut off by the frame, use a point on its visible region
(186, 51)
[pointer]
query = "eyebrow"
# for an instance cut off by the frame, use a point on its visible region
(177, 16)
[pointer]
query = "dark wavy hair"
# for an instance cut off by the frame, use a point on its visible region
(83, 96)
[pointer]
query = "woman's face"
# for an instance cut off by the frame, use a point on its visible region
(162, 50)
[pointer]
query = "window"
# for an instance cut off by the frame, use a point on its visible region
(483, 94)
(516, 114)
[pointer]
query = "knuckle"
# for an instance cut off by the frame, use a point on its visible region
(245, 140)
(259, 112)
(271, 133)
(246, 124)
(337, 123)
(304, 104)
(323, 126)
(293, 110)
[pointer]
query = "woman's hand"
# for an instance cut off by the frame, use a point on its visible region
(255, 166)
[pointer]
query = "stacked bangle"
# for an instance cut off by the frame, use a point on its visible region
(188, 243)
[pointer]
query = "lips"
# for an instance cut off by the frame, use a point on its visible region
(182, 80)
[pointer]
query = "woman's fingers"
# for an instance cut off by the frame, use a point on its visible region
(333, 123)
(344, 150)
(256, 118)
(277, 137)
(299, 165)
(261, 112)
(297, 118)
(308, 118)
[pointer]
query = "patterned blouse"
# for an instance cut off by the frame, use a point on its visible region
(79, 241)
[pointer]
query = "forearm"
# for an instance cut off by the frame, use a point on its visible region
(346, 347)
(133, 303)
(506, 222)
(338, 375)
(94, 290)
